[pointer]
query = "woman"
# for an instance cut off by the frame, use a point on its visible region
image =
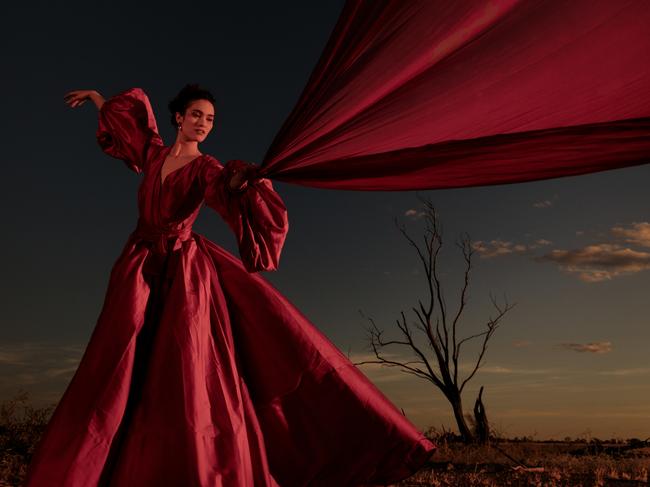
(199, 372)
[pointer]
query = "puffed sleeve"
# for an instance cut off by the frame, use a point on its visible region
(256, 214)
(127, 128)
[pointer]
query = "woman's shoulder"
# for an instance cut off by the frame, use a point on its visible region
(210, 160)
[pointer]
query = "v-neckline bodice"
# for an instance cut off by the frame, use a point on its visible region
(164, 158)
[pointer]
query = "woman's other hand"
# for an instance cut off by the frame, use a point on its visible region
(77, 98)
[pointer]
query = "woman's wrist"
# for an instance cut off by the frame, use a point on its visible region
(238, 181)
(97, 99)
(236, 184)
(239, 175)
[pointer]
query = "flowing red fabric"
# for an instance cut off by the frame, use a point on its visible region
(199, 372)
(427, 94)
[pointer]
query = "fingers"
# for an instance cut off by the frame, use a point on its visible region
(70, 98)
(71, 95)
(243, 175)
(238, 177)
(75, 98)
(247, 172)
(238, 180)
(75, 102)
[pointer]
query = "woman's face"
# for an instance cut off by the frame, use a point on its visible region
(198, 120)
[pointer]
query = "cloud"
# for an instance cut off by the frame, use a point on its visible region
(492, 248)
(530, 413)
(30, 363)
(11, 357)
(638, 233)
(596, 347)
(543, 204)
(499, 369)
(533, 413)
(413, 213)
(592, 263)
(498, 247)
(626, 372)
(57, 371)
(521, 343)
(495, 369)
(382, 373)
(599, 262)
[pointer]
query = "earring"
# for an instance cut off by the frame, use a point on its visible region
(179, 126)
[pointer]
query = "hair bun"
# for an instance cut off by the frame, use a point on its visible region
(189, 93)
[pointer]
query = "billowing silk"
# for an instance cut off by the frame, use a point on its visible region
(198, 371)
(426, 94)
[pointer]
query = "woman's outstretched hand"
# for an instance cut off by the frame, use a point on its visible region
(77, 98)
(239, 180)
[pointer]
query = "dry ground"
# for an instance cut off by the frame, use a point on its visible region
(535, 463)
(501, 463)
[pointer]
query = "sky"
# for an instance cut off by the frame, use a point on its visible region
(570, 359)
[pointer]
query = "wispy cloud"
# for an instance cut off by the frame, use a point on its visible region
(492, 369)
(626, 372)
(500, 369)
(57, 371)
(499, 247)
(533, 413)
(378, 372)
(636, 233)
(599, 262)
(383, 373)
(591, 263)
(530, 413)
(413, 213)
(543, 204)
(31, 363)
(521, 343)
(25, 353)
(12, 357)
(595, 347)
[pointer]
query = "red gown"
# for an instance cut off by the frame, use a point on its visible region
(199, 372)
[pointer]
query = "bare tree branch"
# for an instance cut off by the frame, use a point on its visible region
(444, 341)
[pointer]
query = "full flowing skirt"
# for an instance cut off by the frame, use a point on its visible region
(199, 373)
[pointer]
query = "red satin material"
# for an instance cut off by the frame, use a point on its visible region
(427, 94)
(199, 372)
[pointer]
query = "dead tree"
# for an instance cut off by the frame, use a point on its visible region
(482, 428)
(440, 330)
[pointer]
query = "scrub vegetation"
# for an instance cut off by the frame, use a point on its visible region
(499, 462)
(573, 462)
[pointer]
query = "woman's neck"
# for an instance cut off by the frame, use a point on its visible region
(182, 149)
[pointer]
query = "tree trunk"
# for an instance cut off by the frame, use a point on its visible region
(480, 418)
(457, 406)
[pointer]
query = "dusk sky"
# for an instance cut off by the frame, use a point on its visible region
(570, 359)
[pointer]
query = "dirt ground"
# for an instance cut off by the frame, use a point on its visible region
(503, 462)
(529, 463)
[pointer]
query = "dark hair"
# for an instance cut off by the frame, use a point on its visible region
(189, 93)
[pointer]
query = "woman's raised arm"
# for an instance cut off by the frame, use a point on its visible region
(127, 128)
(76, 98)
